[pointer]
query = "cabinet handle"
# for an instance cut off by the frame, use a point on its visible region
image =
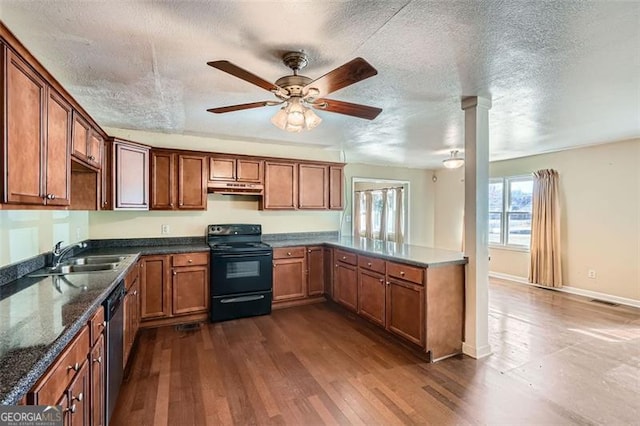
(381, 281)
(142, 265)
(190, 261)
(103, 324)
(368, 263)
(74, 367)
(388, 283)
(402, 273)
(308, 251)
(78, 398)
(174, 273)
(135, 292)
(344, 257)
(288, 253)
(71, 409)
(92, 158)
(336, 265)
(98, 360)
(170, 204)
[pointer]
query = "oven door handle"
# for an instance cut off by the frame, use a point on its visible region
(239, 256)
(243, 299)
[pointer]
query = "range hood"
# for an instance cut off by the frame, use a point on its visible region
(236, 188)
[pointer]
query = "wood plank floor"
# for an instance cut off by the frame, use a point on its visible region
(558, 359)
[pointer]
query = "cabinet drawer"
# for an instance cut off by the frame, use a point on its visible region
(190, 259)
(405, 272)
(97, 325)
(56, 380)
(346, 257)
(288, 252)
(371, 263)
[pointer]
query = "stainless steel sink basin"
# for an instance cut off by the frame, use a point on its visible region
(92, 260)
(71, 269)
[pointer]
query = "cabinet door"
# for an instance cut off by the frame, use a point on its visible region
(80, 135)
(25, 115)
(328, 272)
(250, 171)
(221, 168)
(281, 186)
(97, 361)
(346, 285)
(78, 395)
(163, 180)
(192, 182)
(313, 186)
(405, 310)
(94, 149)
(289, 279)
(154, 287)
(131, 177)
(336, 188)
(58, 152)
(315, 266)
(371, 296)
(190, 290)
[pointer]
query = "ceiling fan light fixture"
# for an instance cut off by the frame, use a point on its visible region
(454, 161)
(295, 117)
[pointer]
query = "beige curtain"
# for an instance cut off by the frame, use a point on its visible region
(368, 200)
(545, 267)
(357, 212)
(399, 225)
(383, 215)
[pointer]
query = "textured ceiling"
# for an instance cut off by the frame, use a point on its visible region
(560, 74)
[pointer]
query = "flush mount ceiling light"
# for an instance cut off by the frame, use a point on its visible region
(299, 95)
(454, 161)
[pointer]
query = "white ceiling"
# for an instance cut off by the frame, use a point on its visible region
(560, 74)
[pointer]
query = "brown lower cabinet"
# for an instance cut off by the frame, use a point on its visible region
(345, 285)
(405, 310)
(289, 273)
(371, 296)
(315, 271)
(67, 382)
(174, 288)
(97, 360)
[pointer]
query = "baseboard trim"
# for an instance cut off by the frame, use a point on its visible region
(476, 353)
(571, 290)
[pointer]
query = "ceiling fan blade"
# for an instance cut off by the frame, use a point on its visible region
(347, 108)
(352, 72)
(243, 74)
(240, 107)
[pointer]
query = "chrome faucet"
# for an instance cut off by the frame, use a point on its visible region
(58, 254)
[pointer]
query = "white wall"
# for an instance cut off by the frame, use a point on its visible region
(27, 233)
(421, 198)
(600, 196)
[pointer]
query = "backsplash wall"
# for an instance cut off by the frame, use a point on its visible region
(28, 233)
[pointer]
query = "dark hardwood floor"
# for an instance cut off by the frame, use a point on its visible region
(558, 359)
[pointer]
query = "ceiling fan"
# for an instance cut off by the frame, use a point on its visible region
(300, 95)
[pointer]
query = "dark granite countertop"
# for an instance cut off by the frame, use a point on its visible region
(406, 253)
(39, 316)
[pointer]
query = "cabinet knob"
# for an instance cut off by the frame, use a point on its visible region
(388, 283)
(71, 409)
(381, 281)
(50, 197)
(135, 292)
(92, 158)
(402, 273)
(98, 360)
(190, 261)
(175, 273)
(368, 263)
(78, 398)
(170, 204)
(336, 265)
(74, 367)
(344, 257)
(288, 253)
(308, 251)
(103, 324)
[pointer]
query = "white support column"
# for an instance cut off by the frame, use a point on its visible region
(476, 225)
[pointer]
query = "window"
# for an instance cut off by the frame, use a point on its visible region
(392, 212)
(510, 211)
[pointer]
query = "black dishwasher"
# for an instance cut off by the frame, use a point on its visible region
(114, 315)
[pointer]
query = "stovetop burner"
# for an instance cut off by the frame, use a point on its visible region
(236, 238)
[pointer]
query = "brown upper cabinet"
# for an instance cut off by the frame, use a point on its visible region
(37, 138)
(234, 169)
(281, 186)
(125, 176)
(178, 181)
(87, 142)
(303, 185)
(313, 181)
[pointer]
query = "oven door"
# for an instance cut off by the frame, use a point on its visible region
(236, 273)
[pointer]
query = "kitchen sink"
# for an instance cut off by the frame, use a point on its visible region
(65, 269)
(93, 260)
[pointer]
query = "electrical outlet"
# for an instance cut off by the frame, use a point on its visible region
(591, 273)
(164, 229)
